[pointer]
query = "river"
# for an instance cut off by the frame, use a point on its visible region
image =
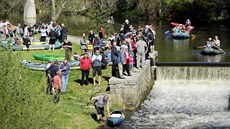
(170, 50)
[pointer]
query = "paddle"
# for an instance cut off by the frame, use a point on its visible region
(199, 47)
(220, 49)
(89, 99)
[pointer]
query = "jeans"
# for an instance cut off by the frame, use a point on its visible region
(64, 82)
(101, 42)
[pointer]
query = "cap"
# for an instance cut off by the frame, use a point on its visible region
(210, 39)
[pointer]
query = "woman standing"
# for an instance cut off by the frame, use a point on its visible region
(65, 69)
(43, 34)
(53, 37)
(83, 43)
(85, 65)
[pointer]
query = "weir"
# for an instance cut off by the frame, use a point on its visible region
(130, 92)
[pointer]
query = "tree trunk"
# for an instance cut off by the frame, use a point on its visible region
(53, 9)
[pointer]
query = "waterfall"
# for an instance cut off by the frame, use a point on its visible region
(186, 74)
(186, 97)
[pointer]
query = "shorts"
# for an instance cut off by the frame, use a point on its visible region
(152, 42)
(100, 110)
(97, 70)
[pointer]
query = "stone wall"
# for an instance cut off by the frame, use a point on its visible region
(131, 91)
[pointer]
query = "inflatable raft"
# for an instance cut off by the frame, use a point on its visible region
(33, 46)
(42, 66)
(211, 51)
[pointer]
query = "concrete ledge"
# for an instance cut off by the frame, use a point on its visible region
(129, 92)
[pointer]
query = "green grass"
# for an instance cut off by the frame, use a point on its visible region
(72, 104)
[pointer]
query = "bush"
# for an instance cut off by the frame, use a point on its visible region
(23, 102)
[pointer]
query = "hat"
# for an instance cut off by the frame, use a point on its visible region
(209, 39)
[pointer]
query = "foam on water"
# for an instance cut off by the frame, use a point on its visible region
(200, 105)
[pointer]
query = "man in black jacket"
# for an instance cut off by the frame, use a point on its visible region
(114, 56)
(50, 73)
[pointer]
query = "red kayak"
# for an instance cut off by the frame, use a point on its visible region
(188, 27)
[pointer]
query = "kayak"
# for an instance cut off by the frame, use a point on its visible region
(178, 35)
(177, 24)
(42, 67)
(116, 118)
(48, 57)
(211, 51)
(33, 46)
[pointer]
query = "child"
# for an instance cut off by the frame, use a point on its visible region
(57, 87)
(76, 56)
(90, 49)
(131, 61)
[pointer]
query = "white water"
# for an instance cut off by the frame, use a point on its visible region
(185, 98)
(199, 105)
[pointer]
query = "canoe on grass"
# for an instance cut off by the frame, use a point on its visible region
(42, 67)
(178, 35)
(211, 51)
(34, 46)
(116, 118)
(44, 57)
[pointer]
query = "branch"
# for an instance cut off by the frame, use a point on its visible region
(60, 10)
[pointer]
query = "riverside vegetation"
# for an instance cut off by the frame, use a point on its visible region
(24, 104)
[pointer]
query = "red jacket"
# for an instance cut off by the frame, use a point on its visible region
(85, 63)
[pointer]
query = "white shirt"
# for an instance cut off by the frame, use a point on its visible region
(43, 32)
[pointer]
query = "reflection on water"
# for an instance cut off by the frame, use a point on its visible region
(216, 58)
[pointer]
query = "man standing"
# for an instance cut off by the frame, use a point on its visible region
(51, 72)
(85, 65)
(65, 69)
(96, 59)
(140, 45)
(68, 49)
(64, 31)
(114, 58)
(99, 102)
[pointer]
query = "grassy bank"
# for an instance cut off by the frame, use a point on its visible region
(72, 104)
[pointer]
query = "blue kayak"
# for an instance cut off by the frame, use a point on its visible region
(178, 35)
(116, 118)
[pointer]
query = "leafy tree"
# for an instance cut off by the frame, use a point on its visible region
(23, 103)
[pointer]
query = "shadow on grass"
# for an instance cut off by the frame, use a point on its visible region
(79, 81)
(106, 78)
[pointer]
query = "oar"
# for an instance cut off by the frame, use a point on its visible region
(220, 49)
(199, 47)
(89, 99)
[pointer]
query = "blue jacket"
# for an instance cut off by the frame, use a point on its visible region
(52, 70)
(65, 68)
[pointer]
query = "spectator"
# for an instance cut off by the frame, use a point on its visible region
(27, 42)
(114, 58)
(102, 36)
(91, 37)
(83, 44)
(96, 59)
(85, 65)
(68, 49)
(140, 46)
(124, 60)
(51, 72)
(64, 31)
(57, 87)
(65, 69)
(53, 38)
(43, 34)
